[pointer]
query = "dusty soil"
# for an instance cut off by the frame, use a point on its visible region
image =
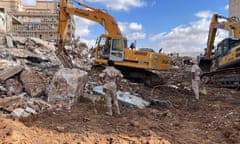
(213, 120)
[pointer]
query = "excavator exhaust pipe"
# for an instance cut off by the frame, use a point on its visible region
(205, 65)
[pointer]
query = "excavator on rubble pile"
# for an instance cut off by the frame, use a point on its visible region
(221, 65)
(111, 48)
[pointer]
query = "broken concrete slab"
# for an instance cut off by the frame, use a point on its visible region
(14, 87)
(20, 112)
(126, 98)
(9, 42)
(132, 100)
(67, 84)
(9, 72)
(30, 110)
(44, 44)
(21, 53)
(8, 100)
(34, 83)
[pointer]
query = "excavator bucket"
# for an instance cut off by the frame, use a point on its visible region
(205, 64)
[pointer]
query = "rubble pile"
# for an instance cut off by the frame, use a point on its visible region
(30, 71)
(29, 77)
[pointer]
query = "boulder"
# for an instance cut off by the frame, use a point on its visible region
(67, 85)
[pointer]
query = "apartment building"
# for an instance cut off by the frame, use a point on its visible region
(39, 20)
(234, 8)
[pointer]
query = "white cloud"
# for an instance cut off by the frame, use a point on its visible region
(188, 39)
(135, 26)
(136, 35)
(226, 7)
(129, 27)
(82, 27)
(124, 5)
(132, 30)
(204, 14)
(90, 43)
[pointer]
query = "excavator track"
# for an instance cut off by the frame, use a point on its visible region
(138, 75)
(146, 77)
(229, 78)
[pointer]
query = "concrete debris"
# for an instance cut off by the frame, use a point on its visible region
(30, 110)
(34, 83)
(9, 72)
(14, 87)
(19, 112)
(67, 85)
(6, 101)
(98, 90)
(126, 98)
(132, 100)
(9, 42)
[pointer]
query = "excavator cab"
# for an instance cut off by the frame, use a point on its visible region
(110, 48)
(226, 55)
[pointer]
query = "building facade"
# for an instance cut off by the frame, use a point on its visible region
(39, 21)
(234, 8)
(10, 5)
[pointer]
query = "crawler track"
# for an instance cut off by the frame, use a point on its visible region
(223, 78)
(146, 77)
(149, 78)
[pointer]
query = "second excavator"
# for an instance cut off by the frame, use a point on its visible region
(111, 48)
(221, 67)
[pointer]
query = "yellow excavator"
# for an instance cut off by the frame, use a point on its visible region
(111, 48)
(221, 67)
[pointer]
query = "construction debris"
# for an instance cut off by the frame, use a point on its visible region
(9, 72)
(30, 69)
(67, 85)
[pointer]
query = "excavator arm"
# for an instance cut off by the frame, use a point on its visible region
(229, 24)
(90, 13)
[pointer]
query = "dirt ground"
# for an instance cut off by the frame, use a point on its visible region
(213, 120)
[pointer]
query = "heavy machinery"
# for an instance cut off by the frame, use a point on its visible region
(111, 48)
(222, 67)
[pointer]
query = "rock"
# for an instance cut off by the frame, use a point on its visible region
(14, 87)
(9, 100)
(60, 129)
(9, 42)
(19, 112)
(135, 123)
(30, 110)
(9, 72)
(34, 83)
(67, 85)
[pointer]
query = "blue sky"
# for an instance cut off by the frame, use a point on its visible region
(179, 26)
